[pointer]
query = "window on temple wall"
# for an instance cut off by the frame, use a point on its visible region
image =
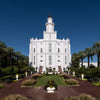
(49, 36)
(34, 60)
(65, 50)
(50, 60)
(58, 50)
(41, 50)
(50, 47)
(34, 50)
(65, 60)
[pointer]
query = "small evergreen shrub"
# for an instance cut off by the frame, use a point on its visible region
(7, 79)
(1, 85)
(16, 97)
(36, 76)
(29, 82)
(65, 76)
(71, 81)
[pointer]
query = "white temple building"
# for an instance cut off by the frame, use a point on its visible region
(49, 52)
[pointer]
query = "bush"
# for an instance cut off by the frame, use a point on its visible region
(81, 97)
(35, 76)
(93, 74)
(86, 97)
(29, 82)
(1, 85)
(23, 70)
(65, 76)
(71, 82)
(15, 97)
(8, 78)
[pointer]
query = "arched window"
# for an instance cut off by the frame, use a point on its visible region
(50, 60)
(41, 50)
(50, 47)
(65, 60)
(65, 50)
(34, 50)
(34, 60)
(58, 50)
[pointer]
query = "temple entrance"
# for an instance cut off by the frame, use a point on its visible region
(40, 69)
(50, 69)
(59, 69)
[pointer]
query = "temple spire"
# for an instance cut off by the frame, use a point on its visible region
(49, 15)
(50, 25)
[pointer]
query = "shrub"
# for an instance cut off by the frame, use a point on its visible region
(93, 74)
(35, 76)
(81, 97)
(1, 85)
(15, 97)
(29, 82)
(71, 82)
(8, 78)
(65, 76)
(86, 97)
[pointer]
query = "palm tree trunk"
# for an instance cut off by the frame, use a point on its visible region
(82, 62)
(0, 61)
(98, 60)
(88, 61)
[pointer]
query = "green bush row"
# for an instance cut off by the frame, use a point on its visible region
(92, 74)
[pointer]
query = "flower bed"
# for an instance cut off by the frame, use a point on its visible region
(51, 86)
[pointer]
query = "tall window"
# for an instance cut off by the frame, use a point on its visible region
(65, 50)
(49, 36)
(50, 47)
(65, 60)
(34, 60)
(50, 60)
(34, 50)
(58, 50)
(41, 50)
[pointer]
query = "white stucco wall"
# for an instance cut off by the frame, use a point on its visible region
(86, 64)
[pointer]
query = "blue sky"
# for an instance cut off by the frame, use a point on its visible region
(21, 20)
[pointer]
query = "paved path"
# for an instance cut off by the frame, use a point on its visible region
(40, 94)
(86, 87)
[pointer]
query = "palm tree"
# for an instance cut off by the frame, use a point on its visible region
(75, 60)
(81, 56)
(18, 57)
(89, 53)
(10, 54)
(2, 50)
(22, 59)
(96, 48)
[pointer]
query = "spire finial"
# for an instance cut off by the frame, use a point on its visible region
(49, 15)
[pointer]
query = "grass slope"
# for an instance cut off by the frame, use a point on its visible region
(45, 78)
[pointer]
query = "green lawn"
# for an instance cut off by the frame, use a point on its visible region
(45, 78)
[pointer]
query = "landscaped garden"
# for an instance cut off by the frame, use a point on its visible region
(16, 68)
(42, 80)
(45, 78)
